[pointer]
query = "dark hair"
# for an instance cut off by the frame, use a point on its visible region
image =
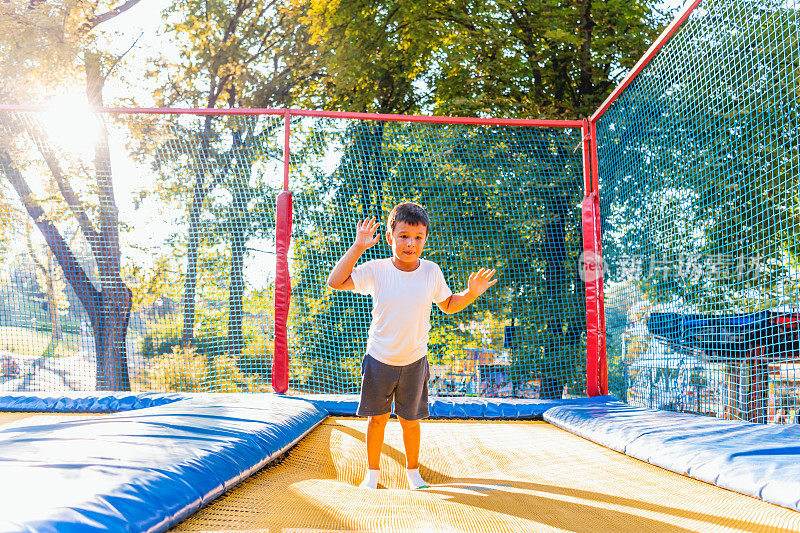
(410, 213)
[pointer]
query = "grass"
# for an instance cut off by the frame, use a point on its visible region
(27, 341)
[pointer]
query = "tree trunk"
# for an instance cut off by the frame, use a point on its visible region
(378, 174)
(373, 176)
(585, 27)
(75, 275)
(199, 193)
(190, 280)
(111, 324)
(110, 333)
(236, 290)
(52, 303)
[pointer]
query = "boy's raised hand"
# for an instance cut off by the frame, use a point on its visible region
(365, 233)
(480, 281)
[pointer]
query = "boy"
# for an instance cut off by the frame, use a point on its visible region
(403, 288)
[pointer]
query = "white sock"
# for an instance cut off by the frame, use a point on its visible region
(371, 479)
(415, 481)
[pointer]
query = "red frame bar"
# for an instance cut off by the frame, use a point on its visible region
(586, 214)
(287, 123)
(587, 163)
(646, 58)
(596, 363)
(325, 114)
(283, 282)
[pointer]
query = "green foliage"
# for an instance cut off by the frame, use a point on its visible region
(249, 54)
(370, 55)
(326, 375)
(184, 370)
(520, 58)
(211, 342)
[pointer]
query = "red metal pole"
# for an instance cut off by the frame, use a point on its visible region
(283, 283)
(589, 266)
(587, 159)
(602, 362)
(596, 365)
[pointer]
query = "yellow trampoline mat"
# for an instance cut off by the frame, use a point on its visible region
(8, 419)
(485, 477)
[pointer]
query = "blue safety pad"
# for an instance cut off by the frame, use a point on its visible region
(754, 459)
(476, 408)
(500, 408)
(143, 470)
(85, 402)
(334, 404)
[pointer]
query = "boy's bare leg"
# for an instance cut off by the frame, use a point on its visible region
(376, 426)
(411, 442)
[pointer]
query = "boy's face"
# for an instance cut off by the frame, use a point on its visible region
(407, 242)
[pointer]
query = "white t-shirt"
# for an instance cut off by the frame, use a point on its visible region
(401, 307)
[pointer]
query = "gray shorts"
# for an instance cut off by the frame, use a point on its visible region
(406, 385)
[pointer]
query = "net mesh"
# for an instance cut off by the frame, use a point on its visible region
(699, 172)
(137, 259)
(498, 197)
(140, 250)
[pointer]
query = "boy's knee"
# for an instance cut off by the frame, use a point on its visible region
(378, 420)
(408, 424)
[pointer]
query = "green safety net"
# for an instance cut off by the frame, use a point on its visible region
(498, 197)
(699, 170)
(143, 258)
(139, 250)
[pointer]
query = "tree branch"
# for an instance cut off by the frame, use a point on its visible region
(29, 240)
(73, 272)
(69, 195)
(93, 22)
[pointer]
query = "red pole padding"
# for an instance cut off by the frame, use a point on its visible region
(596, 361)
(283, 291)
(590, 270)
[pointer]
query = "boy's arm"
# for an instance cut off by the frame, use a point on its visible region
(339, 279)
(478, 283)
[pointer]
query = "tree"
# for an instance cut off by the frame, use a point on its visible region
(52, 282)
(59, 39)
(370, 55)
(538, 59)
(244, 54)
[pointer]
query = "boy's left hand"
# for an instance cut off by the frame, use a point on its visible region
(480, 281)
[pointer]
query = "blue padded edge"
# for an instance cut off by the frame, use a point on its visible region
(83, 402)
(445, 407)
(754, 459)
(143, 470)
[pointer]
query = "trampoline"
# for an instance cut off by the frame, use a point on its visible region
(482, 480)
(186, 461)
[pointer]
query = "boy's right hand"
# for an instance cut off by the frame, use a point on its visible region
(365, 233)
